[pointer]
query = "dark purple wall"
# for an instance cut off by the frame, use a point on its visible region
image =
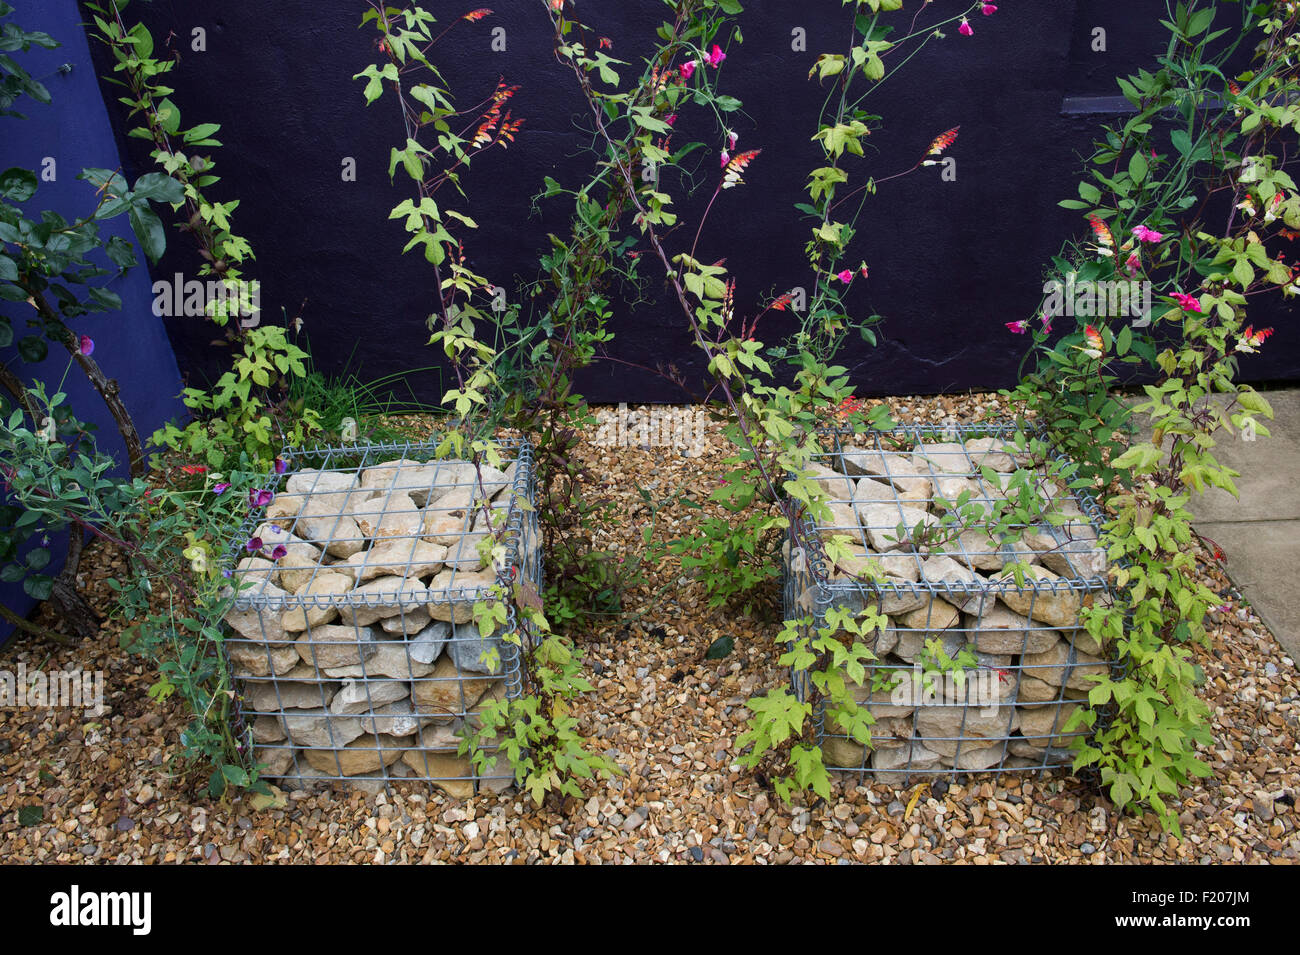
(130, 345)
(950, 261)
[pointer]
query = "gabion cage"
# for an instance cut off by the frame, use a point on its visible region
(352, 635)
(973, 671)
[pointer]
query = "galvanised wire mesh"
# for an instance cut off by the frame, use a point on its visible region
(351, 632)
(974, 671)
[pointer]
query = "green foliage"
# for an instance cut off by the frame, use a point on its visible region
(1147, 207)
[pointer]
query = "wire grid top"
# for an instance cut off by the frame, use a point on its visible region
(379, 513)
(898, 477)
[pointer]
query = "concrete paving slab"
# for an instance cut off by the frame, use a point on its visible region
(1263, 560)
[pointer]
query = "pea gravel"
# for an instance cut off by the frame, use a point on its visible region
(669, 717)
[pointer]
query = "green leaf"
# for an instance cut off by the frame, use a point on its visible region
(159, 187)
(149, 232)
(17, 184)
(30, 815)
(33, 348)
(720, 648)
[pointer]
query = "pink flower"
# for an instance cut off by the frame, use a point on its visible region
(731, 138)
(86, 345)
(1018, 328)
(672, 118)
(988, 9)
(253, 545)
(279, 551)
(965, 28)
(259, 498)
(846, 276)
(863, 270)
(1143, 234)
(726, 158)
(1133, 264)
(687, 70)
(716, 56)
(1188, 303)
(1047, 324)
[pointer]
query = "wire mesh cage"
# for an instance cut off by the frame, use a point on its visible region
(982, 659)
(352, 635)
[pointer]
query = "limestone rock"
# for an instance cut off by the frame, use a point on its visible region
(320, 728)
(912, 642)
(444, 527)
(363, 697)
(401, 558)
(392, 516)
(939, 615)
(942, 727)
(945, 570)
(464, 554)
(393, 658)
(879, 490)
(429, 642)
(407, 624)
(258, 570)
(945, 457)
(1034, 690)
(324, 522)
(387, 597)
(337, 646)
(1037, 723)
(267, 729)
(446, 692)
(455, 592)
(836, 486)
(365, 754)
(326, 584)
(261, 659)
(290, 695)
(1002, 630)
(395, 719)
(881, 522)
(473, 653)
(275, 760)
(977, 550)
(996, 453)
(309, 483)
(1062, 665)
(300, 563)
(285, 508)
(913, 756)
(1054, 604)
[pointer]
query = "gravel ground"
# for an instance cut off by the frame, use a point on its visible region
(669, 717)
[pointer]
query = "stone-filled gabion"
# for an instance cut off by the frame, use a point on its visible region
(352, 637)
(1033, 659)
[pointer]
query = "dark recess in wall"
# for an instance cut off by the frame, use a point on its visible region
(950, 261)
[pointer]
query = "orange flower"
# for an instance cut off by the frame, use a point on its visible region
(736, 167)
(475, 15)
(943, 141)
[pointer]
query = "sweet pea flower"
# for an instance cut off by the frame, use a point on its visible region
(1133, 264)
(731, 139)
(846, 276)
(671, 119)
(281, 465)
(1018, 328)
(86, 345)
(726, 158)
(716, 56)
(220, 489)
(1047, 324)
(687, 70)
(1188, 303)
(1143, 234)
(260, 498)
(279, 551)
(988, 9)
(965, 28)
(253, 545)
